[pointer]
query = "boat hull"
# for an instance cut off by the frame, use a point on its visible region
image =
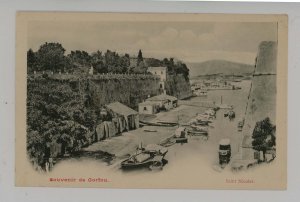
(126, 165)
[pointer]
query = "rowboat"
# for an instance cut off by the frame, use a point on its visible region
(152, 156)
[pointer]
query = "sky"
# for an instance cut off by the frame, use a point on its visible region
(186, 41)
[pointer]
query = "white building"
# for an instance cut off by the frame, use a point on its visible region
(161, 72)
(157, 103)
(164, 101)
(148, 107)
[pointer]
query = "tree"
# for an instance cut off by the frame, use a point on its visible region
(100, 67)
(35, 146)
(124, 63)
(80, 57)
(152, 62)
(31, 61)
(169, 64)
(264, 136)
(50, 56)
(90, 119)
(181, 68)
(97, 58)
(140, 58)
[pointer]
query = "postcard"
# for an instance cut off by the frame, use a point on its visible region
(148, 100)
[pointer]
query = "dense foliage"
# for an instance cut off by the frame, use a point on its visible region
(56, 113)
(264, 136)
(174, 68)
(51, 56)
(67, 111)
(62, 111)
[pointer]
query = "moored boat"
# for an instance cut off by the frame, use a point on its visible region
(151, 156)
(181, 135)
(201, 93)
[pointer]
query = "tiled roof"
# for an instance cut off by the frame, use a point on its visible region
(121, 109)
(162, 97)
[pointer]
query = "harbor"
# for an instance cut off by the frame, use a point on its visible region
(166, 103)
(205, 146)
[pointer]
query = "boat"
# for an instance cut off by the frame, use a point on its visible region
(141, 160)
(224, 152)
(199, 122)
(181, 140)
(167, 142)
(199, 128)
(210, 113)
(225, 106)
(180, 135)
(236, 88)
(231, 114)
(241, 125)
(152, 156)
(162, 124)
(148, 130)
(197, 133)
(201, 93)
(219, 86)
(168, 123)
(204, 116)
(155, 149)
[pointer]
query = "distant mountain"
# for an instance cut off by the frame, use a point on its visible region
(218, 67)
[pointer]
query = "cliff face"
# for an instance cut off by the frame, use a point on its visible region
(177, 86)
(88, 93)
(98, 90)
(262, 97)
(127, 91)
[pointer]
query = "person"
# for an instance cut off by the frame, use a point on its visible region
(47, 166)
(50, 163)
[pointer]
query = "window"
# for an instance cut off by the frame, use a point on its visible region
(162, 72)
(145, 108)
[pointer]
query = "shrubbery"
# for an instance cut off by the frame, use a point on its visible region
(264, 136)
(56, 115)
(66, 111)
(51, 56)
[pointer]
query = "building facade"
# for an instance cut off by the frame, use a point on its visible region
(158, 103)
(161, 72)
(148, 107)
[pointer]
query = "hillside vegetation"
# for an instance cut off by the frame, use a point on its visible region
(64, 109)
(52, 57)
